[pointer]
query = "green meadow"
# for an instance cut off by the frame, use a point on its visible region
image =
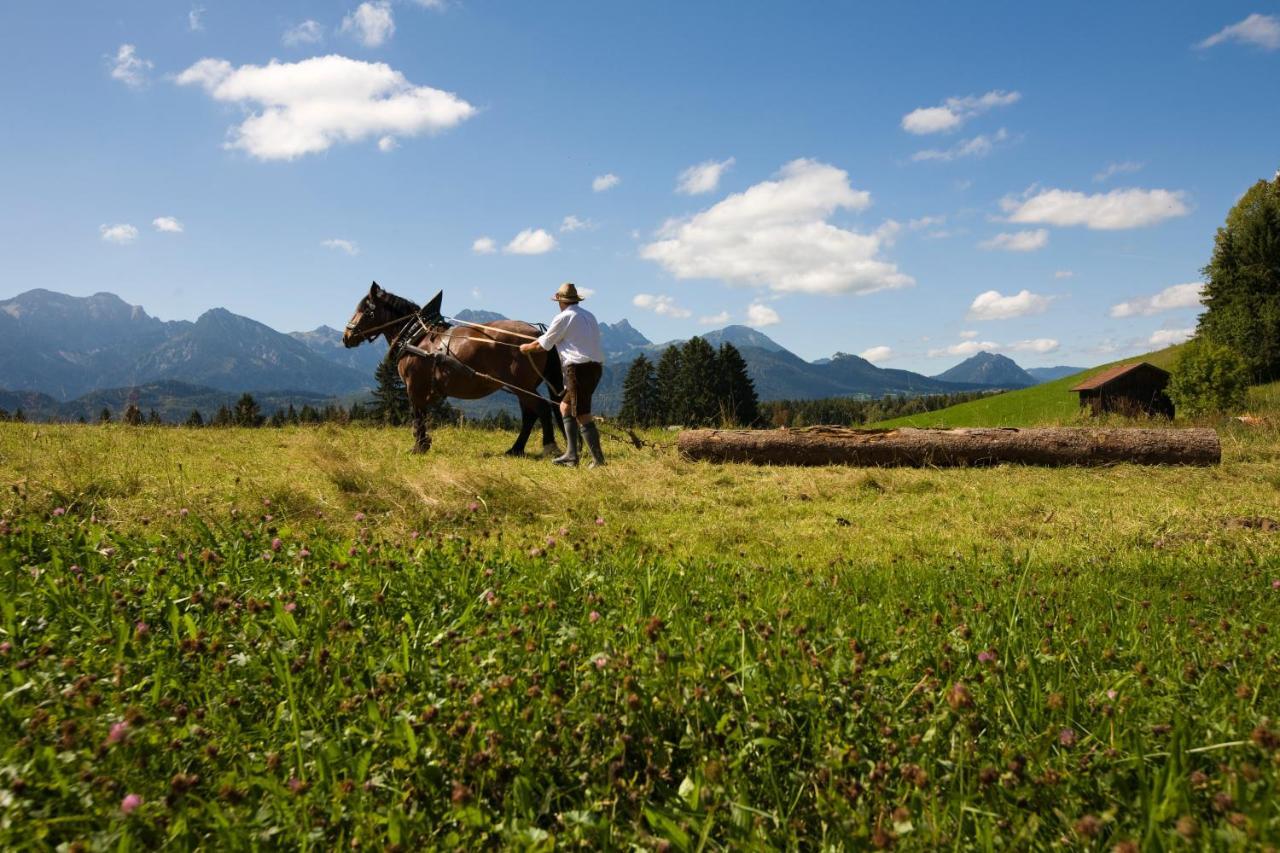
(310, 638)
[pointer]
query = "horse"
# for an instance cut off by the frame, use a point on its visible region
(438, 360)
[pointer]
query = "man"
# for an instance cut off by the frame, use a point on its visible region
(577, 334)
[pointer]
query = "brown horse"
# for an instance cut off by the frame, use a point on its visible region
(461, 361)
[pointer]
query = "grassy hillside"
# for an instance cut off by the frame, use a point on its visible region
(1050, 403)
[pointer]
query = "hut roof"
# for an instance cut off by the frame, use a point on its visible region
(1111, 374)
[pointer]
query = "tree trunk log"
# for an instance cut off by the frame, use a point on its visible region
(953, 447)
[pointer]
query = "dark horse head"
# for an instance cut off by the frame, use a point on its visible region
(381, 312)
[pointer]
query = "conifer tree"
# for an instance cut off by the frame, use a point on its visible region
(737, 393)
(195, 419)
(697, 383)
(132, 414)
(223, 418)
(104, 417)
(247, 413)
(390, 399)
(640, 401)
(154, 419)
(671, 408)
(292, 415)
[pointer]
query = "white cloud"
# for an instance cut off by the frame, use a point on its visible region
(605, 182)
(992, 306)
(1019, 241)
(586, 292)
(437, 5)
(342, 245)
(308, 32)
(1123, 208)
(484, 246)
(925, 222)
(759, 315)
(979, 146)
(195, 21)
(660, 304)
(167, 224)
(1259, 30)
(118, 233)
(968, 335)
(1063, 274)
(387, 144)
(309, 106)
(715, 319)
(877, 354)
(702, 178)
(530, 241)
(775, 235)
(1169, 299)
(1114, 169)
(1036, 345)
(128, 68)
(1169, 337)
(572, 223)
(965, 348)
(371, 23)
(955, 112)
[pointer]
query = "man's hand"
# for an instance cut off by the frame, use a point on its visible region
(532, 346)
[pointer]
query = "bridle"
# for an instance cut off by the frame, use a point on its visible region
(371, 333)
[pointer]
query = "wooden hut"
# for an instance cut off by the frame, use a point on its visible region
(1127, 389)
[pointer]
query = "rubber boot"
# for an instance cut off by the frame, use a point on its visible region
(571, 437)
(592, 434)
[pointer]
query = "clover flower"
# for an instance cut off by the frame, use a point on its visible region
(117, 733)
(130, 803)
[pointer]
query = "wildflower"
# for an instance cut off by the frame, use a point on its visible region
(59, 511)
(130, 803)
(6, 647)
(359, 516)
(564, 531)
(551, 542)
(304, 552)
(959, 696)
(266, 501)
(296, 785)
(1275, 584)
(290, 606)
(118, 732)
(183, 512)
(473, 506)
(601, 662)
(353, 550)
(1067, 737)
(276, 543)
(594, 617)
(599, 521)
(142, 629)
(987, 656)
(1111, 694)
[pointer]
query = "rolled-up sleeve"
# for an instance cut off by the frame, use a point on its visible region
(555, 332)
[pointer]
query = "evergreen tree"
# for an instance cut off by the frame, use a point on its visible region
(195, 419)
(292, 415)
(390, 399)
(734, 388)
(277, 419)
(440, 413)
(4, 414)
(640, 401)
(19, 416)
(697, 383)
(1242, 292)
(671, 408)
(308, 415)
(247, 413)
(223, 418)
(153, 418)
(357, 412)
(104, 417)
(132, 414)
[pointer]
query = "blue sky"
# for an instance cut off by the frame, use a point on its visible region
(912, 183)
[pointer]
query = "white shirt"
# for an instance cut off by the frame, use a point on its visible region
(577, 334)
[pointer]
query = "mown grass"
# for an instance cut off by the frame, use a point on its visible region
(308, 637)
(1050, 403)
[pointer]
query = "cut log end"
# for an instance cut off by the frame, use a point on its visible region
(1053, 446)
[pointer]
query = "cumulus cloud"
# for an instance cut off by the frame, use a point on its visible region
(991, 305)
(1035, 345)
(1169, 337)
(760, 315)
(371, 23)
(167, 224)
(605, 182)
(484, 246)
(1114, 169)
(1169, 299)
(1259, 30)
(877, 354)
(979, 146)
(309, 106)
(129, 68)
(968, 335)
(702, 178)
(572, 223)
(387, 144)
(530, 241)
(1019, 241)
(715, 319)
(955, 112)
(1063, 274)
(965, 348)
(1118, 209)
(660, 304)
(925, 222)
(775, 235)
(341, 245)
(121, 233)
(308, 32)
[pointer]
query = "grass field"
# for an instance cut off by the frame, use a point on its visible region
(310, 638)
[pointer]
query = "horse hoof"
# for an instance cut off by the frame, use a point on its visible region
(421, 448)
(513, 452)
(550, 451)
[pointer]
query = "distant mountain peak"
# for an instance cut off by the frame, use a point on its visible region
(742, 336)
(989, 368)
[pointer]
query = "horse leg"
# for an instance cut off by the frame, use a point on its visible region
(421, 440)
(527, 417)
(549, 446)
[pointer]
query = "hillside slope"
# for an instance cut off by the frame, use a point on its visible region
(1047, 403)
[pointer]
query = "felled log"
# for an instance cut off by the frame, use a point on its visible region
(953, 447)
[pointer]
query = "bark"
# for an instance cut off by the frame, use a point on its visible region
(953, 447)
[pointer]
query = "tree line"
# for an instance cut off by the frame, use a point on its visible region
(693, 384)
(848, 411)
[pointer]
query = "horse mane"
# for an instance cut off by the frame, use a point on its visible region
(399, 304)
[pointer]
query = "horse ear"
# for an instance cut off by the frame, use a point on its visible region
(375, 291)
(432, 308)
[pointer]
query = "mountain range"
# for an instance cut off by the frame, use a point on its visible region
(69, 356)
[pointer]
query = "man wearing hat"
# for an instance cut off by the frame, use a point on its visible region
(577, 335)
